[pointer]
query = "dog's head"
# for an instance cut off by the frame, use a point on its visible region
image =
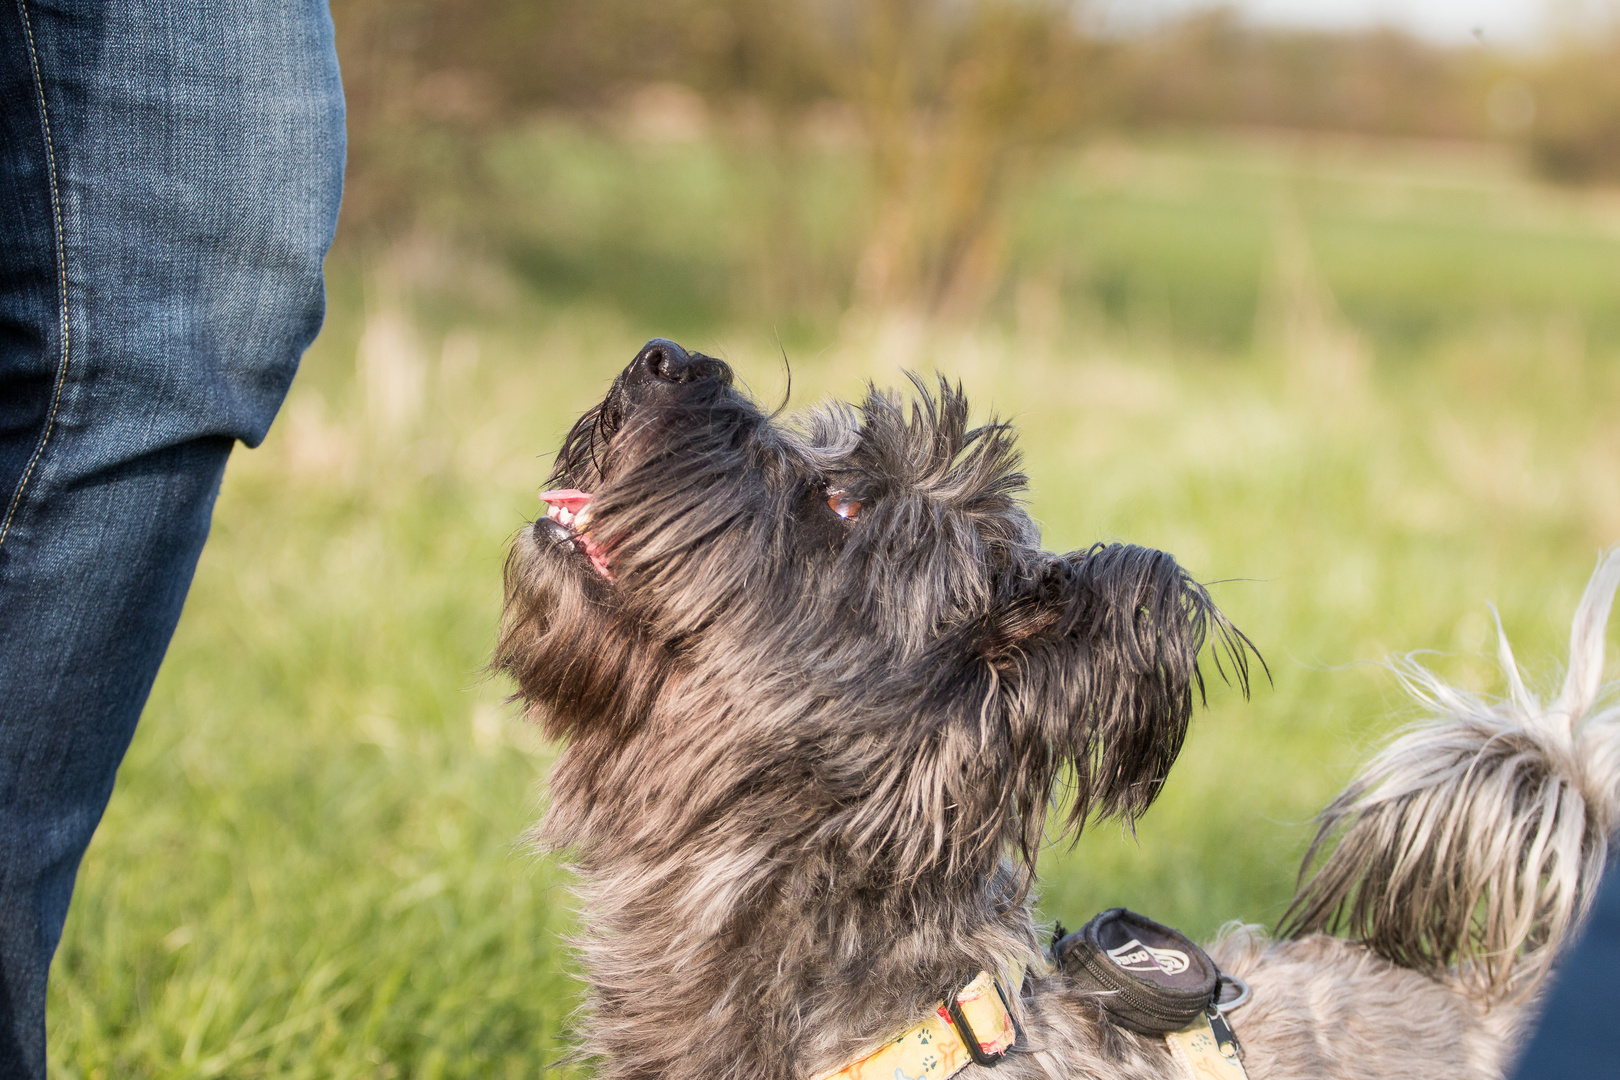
(841, 628)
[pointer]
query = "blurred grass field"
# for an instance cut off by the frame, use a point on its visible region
(1364, 387)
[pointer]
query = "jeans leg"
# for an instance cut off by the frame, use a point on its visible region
(1574, 1039)
(169, 178)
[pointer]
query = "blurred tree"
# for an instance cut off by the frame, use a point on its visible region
(951, 101)
(1214, 69)
(1575, 115)
(426, 78)
(949, 93)
(954, 98)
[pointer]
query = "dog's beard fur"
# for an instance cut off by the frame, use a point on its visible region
(818, 684)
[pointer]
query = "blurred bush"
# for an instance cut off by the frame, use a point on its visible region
(425, 79)
(1212, 69)
(1575, 123)
(946, 105)
(943, 96)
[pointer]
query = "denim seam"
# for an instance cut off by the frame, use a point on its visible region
(61, 273)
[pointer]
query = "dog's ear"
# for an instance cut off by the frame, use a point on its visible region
(1096, 655)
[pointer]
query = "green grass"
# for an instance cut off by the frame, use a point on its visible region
(314, 862)
(1181, 234)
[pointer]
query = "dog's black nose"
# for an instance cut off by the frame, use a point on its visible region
(666, 361)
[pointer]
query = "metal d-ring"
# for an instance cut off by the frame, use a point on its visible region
(1237, 1002)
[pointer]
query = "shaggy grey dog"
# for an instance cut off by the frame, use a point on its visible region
(818, 682)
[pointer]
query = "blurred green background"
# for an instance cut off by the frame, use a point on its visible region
(1333, 317)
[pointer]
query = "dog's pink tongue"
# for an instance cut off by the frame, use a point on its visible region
(598, 559)
(568, 498)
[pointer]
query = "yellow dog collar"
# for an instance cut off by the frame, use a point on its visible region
(975, 1025)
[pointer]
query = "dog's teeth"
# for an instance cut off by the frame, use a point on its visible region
(583, 518)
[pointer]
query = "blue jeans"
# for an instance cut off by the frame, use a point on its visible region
(1574, 1039)
(169, 181)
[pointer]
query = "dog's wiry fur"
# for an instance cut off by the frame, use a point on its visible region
(809, 757)
(1510, 803)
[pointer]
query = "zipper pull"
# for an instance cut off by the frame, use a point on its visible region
(1225, 1038)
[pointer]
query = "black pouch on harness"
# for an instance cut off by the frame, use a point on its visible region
(1150, 978)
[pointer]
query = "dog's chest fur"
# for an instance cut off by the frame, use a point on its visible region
(760, 947)
(734, 965)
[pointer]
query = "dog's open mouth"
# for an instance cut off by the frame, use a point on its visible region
(571, 508)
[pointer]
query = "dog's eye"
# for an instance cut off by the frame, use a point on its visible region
(845, 507)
